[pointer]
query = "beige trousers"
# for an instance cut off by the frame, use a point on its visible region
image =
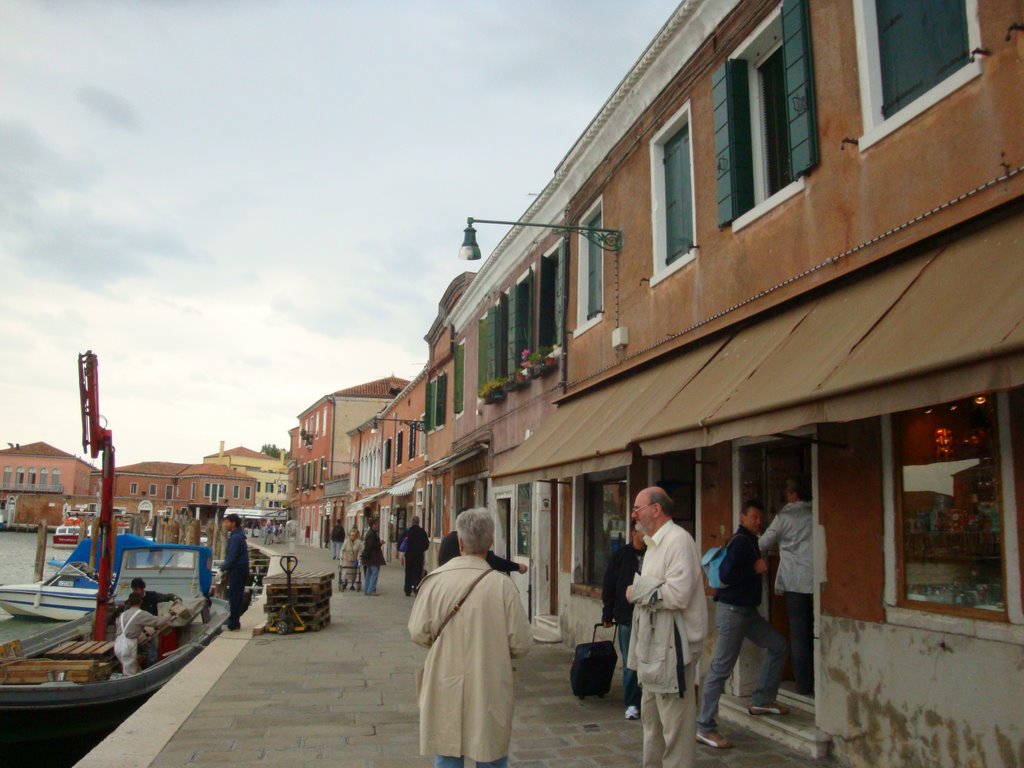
(670, 727)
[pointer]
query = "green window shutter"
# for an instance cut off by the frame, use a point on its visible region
(527, 310)
(511, 336)
(560, 278)
(501, 345)
(548, 303)
(428, 418)
(460, 372)
(441, 404)
(481, 353)
(492, 343)
(730, 96)
(920, 45)
(800, 111)
(595, 284)
(678, 196)
(398, 448)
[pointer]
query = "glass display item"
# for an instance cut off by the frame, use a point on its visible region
(950, 512)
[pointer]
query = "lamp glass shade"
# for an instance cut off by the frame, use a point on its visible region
(469, 251)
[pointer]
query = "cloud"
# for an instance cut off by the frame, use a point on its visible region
(115, 109)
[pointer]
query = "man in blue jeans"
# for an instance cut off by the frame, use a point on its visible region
(737, 617)
(624, 565)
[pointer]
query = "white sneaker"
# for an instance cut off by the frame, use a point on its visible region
(632, 713)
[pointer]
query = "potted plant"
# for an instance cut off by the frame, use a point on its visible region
(493, 391)
(541, 362)
(551, 355)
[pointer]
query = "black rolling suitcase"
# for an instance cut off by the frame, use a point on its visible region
(593, 667)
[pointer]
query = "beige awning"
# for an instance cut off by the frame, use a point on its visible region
(941, 326)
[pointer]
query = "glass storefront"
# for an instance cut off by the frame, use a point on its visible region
(604, 523)
(948, 496)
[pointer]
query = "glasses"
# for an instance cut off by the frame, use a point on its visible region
(645, 506)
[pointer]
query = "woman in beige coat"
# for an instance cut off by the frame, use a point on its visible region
(467, 695)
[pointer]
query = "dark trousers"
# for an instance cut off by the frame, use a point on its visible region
(236, 589)
(413, 572)
(800, 608)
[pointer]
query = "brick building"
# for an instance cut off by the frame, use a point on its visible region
(38, 481)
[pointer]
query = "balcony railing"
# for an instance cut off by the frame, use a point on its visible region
(32, 487)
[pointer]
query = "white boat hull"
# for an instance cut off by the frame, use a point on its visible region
(42, 602)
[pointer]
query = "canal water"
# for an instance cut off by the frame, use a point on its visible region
(17, 564)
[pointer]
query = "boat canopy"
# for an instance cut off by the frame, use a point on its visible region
(80, 554)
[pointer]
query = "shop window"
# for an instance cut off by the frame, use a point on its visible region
(677, 477)
(465, 497)
(604, 522)
(524, 519)
(949, 507)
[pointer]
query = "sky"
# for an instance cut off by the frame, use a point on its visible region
(244, 206)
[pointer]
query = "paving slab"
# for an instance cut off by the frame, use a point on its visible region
(345, 697)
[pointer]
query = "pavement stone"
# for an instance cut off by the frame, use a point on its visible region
(344, 697)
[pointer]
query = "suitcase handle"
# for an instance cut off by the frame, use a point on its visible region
(598, 626)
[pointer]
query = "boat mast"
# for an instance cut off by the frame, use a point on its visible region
(97, 439)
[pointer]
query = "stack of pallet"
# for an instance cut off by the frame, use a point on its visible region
(79, 650)
(310, 594)
(46, 670)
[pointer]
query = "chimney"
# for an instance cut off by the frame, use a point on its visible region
(221, 453)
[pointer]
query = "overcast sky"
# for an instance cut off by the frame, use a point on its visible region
(242, 206)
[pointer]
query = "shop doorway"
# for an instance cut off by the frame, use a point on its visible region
(503, 542)
(763, 470)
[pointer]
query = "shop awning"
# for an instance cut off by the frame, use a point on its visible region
(457, 457)
(937, 327)
(403, 487)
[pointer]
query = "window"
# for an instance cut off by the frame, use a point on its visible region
(549, 311)
(31, 475)
(248, 492)
(316, 426)
(398, 447)
(412, 443)
(524, 519)
(949, 488)
(387, 453)
(7, 475)
(673, 210)
(20, 476)
(497, 339)
(234, 492)
(193, 494)
(590, 284)
(764, 116)
(437, 393)
(213, 491)
(419, 505)
(43, 476)
(484, 361)
(520, 321)
(168, 491)
(133, 488)
(911, 55)
(323, 469)
(55, 476)
(258, 486)
(152, 489)
(460, 375)
(604, 522)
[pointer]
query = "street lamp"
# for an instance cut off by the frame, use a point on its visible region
(605, 239)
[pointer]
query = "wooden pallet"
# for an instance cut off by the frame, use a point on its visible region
(278, 599)
(35, 671)
(81, 650)
(11, 650)
(302, 580)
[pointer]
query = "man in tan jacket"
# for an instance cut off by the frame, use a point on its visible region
(466, 700)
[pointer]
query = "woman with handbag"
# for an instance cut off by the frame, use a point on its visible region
(466, 698)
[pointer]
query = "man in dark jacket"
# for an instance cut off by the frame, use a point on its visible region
(449, 550)
(337, 539)
(622, 568)
(150, 599)
(416, 545)
(373, 557)
(737, 617)
(236, 566)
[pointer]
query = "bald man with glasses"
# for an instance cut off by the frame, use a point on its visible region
(670, 623)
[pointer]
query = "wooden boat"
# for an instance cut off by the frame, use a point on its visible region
(67, 534)
(62, 683)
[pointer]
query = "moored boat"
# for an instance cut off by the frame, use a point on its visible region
(67, 534)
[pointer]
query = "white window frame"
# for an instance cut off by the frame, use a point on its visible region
(1011, 630)
(465, 380)
(133, 489)
(876, 126)
(583, 323)
(659, 224)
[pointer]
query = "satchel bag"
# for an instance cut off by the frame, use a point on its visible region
(451, 614)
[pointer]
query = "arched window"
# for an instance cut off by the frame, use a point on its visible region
(7, 476)
(43, 476)
(31, 475)
(55, 477)
(19, 476)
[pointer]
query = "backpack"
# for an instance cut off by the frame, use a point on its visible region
(711, 562)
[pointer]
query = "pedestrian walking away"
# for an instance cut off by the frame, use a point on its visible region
(416, 545)
(337, 539)
(373, 557)
(349, 572)
(670, 624)
(623, 567)
(790, 533)
(236, 566)
(474, 625)
(737, 617)
(449, 549)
